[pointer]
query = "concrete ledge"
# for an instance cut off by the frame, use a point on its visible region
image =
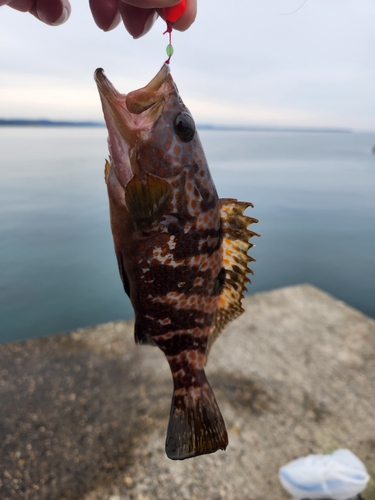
(83, 415)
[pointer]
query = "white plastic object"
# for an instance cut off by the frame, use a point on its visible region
(338, 476)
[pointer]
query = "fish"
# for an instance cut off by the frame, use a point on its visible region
(182, 252)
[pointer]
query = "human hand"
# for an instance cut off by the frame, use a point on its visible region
(52, 12)
(138, 16)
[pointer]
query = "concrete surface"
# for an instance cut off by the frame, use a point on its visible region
(84, 415)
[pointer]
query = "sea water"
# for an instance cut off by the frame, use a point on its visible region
(313, 193)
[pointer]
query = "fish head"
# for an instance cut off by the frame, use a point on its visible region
(150, 130)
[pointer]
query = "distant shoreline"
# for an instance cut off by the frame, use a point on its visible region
(16, 122)
(255, 128)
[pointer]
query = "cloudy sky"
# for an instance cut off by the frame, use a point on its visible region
(242, 62)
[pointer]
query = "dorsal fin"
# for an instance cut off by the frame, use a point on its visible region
(147, 200)
(236, 244)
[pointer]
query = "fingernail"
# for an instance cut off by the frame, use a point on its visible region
(148, 24)
(115, 22)
(64, 17)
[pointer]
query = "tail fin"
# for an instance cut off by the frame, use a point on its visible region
(196, 426)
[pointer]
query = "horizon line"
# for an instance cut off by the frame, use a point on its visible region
(43, 122)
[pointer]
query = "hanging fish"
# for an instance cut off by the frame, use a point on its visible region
(181, 251)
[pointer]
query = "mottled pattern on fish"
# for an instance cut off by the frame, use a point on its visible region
(182, 252)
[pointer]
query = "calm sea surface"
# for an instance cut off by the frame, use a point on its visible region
(314, 194)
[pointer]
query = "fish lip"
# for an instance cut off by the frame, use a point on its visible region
(152, 94)
(116, 114)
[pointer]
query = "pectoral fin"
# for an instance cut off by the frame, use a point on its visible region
(147, 200)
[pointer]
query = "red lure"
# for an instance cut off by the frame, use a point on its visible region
(171, 14)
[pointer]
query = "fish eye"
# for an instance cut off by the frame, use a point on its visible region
(184, 126)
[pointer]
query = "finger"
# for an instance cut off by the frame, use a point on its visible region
(52, 12)
(188, 17)
(105, 13)
(137, 21)
(151, 4)
(22, 5)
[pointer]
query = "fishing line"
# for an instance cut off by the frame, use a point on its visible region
(171, 14)
(169, 49)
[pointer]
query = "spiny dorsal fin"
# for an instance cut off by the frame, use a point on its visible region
(236, 244)
(147, 200)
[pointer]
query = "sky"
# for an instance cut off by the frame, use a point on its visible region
(244, 62)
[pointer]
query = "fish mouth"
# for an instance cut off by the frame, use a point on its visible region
(130, 118)
(129, 113)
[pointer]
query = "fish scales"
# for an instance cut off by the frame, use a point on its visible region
(181, 252)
